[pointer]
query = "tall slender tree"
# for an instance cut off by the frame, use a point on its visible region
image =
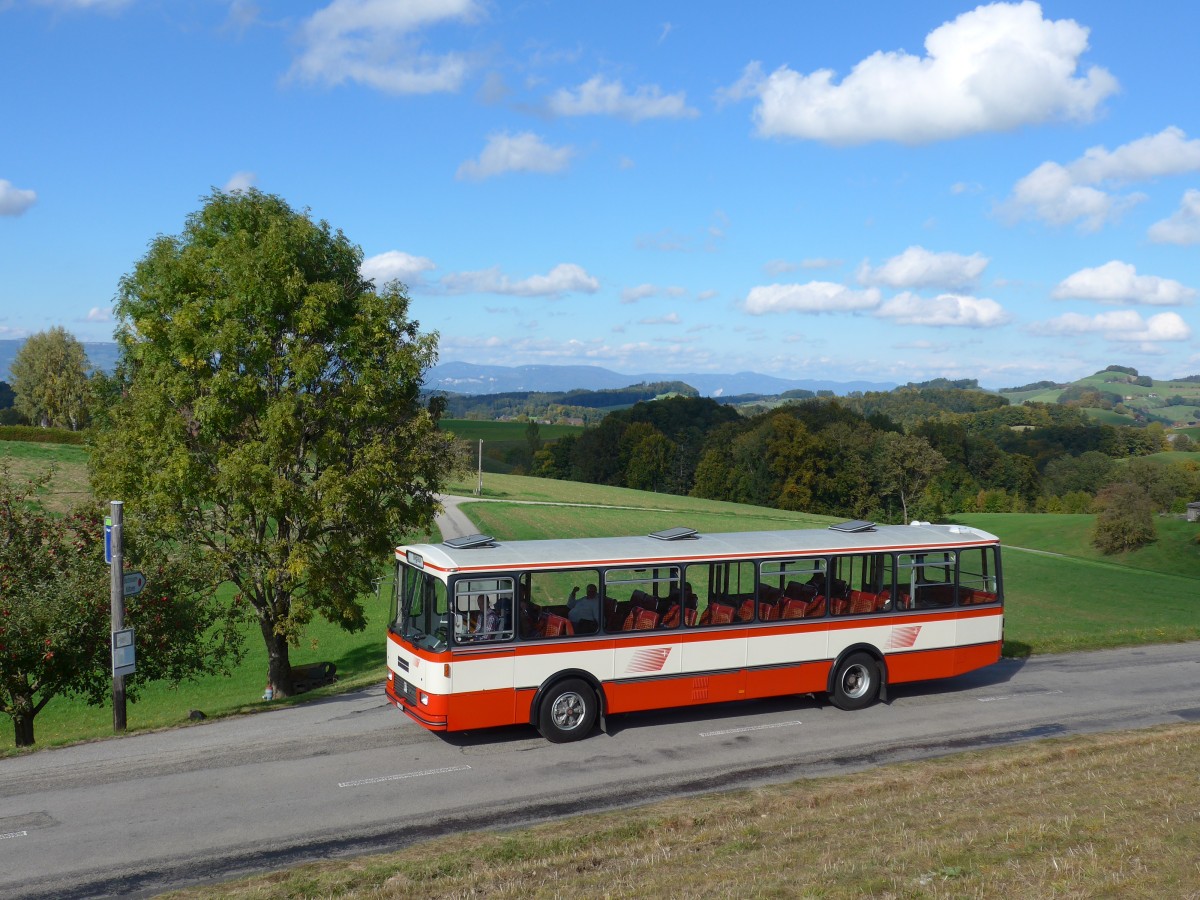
(50, 380)
(270, 411)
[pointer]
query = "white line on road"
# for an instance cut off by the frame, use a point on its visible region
(362, 781)
(1015, 696)
(746, 728)
(13, 834)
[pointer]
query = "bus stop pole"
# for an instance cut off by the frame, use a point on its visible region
(117, 600)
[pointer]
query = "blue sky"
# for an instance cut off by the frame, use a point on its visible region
(875, 191)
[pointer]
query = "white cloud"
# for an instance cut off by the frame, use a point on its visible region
(598, 97)
(1119, 282)
(945, 310)
(779, 266)
(1167, 153)
(1050, 194)
(668, 319)
(524, 152)
(995, 68)
(641, 292)
(918, 268)
(813, 297)
(1120, 325)
(820, 263)
(99, 314)
(1081, 190)
(1183, 227)
(14, 200)
(396, 264)
(375, 43)
(240, 181)
(562, 279)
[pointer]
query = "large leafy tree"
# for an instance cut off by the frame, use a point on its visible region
(55, 613)
(269, 411)
(50, 380)
(1125, 520)
(905, 464)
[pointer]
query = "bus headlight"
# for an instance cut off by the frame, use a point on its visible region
(424, 698)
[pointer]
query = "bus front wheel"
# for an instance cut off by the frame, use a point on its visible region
(856, 683)
(568, 711)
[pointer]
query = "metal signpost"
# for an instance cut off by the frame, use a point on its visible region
(120, 583)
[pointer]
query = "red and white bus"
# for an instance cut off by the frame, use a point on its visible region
(557, 633)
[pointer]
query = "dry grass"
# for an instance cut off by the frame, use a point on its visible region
(1114, 815)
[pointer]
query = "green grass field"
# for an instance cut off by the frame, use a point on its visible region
(1073, 600)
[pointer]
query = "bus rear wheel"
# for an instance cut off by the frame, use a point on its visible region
(856, 683)
(568, 711)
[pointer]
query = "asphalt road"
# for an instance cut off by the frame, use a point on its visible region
(350, 774)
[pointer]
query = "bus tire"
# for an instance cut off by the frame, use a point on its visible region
(856, 683)
(568, 711)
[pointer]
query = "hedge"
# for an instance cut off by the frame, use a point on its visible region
(33, 435)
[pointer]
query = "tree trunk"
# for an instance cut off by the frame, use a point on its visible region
(23, 730)
(279, 667)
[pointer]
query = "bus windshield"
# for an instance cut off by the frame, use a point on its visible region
(422, 611)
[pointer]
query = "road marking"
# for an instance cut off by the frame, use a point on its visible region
(13, 834)
(1015, 696)
(746, 728)
(362, 781)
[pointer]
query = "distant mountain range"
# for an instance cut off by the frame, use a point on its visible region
(469, 378)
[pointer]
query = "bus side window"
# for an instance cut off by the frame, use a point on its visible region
(642, 598)
(792, 589)
(977, 577)
(928, 579)
(560, 604)
(483, 610)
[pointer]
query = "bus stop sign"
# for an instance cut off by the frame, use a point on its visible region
(124, 656)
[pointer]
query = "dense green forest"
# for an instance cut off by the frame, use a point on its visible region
(916, 452)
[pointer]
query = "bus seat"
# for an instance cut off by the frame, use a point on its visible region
(557, 625)
(689, 617)
(862, 602)
(793, 608)
(768, 612)
(746, 611)
(816, 607)
(671, 619)
(719, 614)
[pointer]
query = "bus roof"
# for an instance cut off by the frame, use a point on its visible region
(645, 549)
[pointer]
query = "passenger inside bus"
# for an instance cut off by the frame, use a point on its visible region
(584, 612)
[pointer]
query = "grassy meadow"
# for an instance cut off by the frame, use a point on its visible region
(69, 485)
